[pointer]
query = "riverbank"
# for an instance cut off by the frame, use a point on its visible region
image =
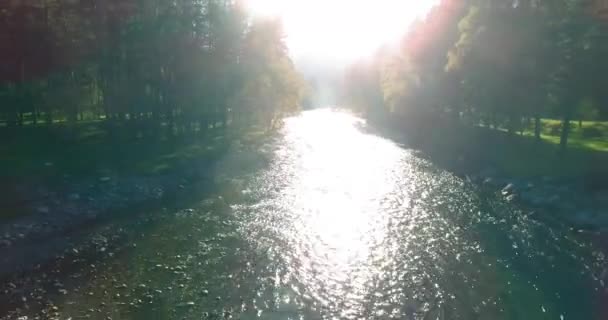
(78, 228)
(569, 188)
(568, 201)
(43, 211)
(405, 226)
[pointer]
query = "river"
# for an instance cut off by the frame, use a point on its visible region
(328, 221)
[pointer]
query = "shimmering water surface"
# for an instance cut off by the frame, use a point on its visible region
(325, 221)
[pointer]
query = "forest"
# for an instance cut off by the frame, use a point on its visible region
(529, 66)
(141, 68)
(158, 159)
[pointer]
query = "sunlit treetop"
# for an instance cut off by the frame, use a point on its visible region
(341, 30)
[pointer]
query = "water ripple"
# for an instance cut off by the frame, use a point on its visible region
(340, 225)
(361, 228)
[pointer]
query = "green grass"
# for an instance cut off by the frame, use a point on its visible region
(525, 158)
(519, 156)
(576, 138)
(522, 156)
(40, 152)
(35, 154)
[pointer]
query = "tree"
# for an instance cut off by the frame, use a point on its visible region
(494, 63)
(142, 66)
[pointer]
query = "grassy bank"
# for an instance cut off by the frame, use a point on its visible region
(589, 135)
(41, 158)
(522, 155)
(473, 149)
(88, 151)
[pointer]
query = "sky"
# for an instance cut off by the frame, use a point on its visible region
(341, 31)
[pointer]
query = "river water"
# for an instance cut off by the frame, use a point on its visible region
(328, 221)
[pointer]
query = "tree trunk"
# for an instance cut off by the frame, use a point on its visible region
(537, 127)
(21, 94)
(72, 115)
(20, 118)
(72, 108)
(511, 129)
(563, 141)
(48, 117)
(170, 123)
(12, 118)
(48, 106)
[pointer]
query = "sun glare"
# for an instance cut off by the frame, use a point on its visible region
(341, 30)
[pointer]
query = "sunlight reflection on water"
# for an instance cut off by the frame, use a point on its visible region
(337, 201)
(340, 224)
(368, 230)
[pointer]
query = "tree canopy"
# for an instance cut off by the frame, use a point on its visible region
(180, 66)
(493, 63)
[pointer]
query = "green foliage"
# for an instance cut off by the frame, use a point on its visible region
(502, 64)
(149, 68)
(272, 88)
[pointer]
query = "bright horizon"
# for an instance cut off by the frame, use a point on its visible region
(341, 31)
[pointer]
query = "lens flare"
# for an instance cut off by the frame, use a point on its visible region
(341, 30)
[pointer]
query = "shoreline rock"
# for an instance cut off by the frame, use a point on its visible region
(566, 200)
